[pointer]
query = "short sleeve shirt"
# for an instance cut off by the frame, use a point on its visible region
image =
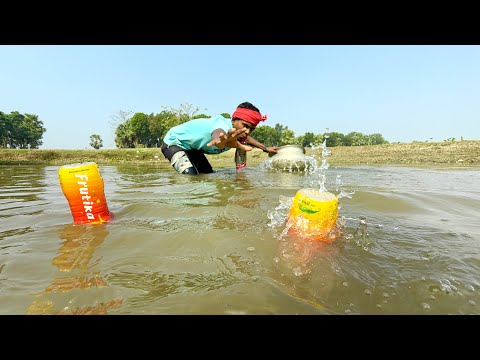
(196, 134)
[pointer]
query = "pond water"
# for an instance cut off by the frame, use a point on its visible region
(215, 243)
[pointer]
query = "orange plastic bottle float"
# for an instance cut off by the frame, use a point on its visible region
(83, 187)
(313, 215)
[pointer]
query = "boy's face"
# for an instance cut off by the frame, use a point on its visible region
(240, 124)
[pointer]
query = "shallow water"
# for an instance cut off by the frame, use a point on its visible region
(213, 244)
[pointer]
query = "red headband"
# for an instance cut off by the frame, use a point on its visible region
(248, 115)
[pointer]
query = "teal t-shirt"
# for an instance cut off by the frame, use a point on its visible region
(196, 134)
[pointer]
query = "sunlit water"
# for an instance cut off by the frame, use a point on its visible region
(215, 244)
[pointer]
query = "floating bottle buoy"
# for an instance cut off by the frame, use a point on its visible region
(83, 187)
(313, 215)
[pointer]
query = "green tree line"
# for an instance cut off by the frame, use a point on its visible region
(142, 130)
(20, 131)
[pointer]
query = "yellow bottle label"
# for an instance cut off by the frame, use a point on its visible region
(314, 213)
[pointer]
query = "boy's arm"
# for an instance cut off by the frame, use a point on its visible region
(271, 150)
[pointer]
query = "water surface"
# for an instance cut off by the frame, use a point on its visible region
(214, 244)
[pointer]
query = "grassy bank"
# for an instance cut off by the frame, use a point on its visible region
(465, 152)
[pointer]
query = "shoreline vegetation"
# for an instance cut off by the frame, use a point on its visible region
(454, 153)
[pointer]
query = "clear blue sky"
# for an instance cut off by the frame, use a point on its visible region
(405, 93)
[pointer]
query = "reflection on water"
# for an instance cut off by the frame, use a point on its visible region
(74, 258)
(216, 244)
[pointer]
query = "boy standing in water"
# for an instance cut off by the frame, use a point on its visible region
(185, 145)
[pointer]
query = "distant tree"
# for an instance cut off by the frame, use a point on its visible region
(278, 136)
(139, 124)
(184, 112)
(308, 139)
(287, 137)
(284, 135)
(335, 139)
(4, 130)
(201, 116)
(156, 130)
(120, 117)
(96, 141)
(189, 110)
(376, 139)
(23, 131)
(124, 135)
(33, 131)
(356, 139)
(267, 135)
(141, 130)
(158, 126)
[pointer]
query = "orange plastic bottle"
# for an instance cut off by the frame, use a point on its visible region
(83, 187)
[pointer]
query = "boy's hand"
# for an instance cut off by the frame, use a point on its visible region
(229, 139)
(271, 150)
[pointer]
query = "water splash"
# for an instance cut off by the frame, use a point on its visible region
(324, 165)
(307, 165)
(341, 192)
(298, 246)
(279, 215)
(361, 235)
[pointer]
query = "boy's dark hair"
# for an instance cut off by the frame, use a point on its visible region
(247, 105)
